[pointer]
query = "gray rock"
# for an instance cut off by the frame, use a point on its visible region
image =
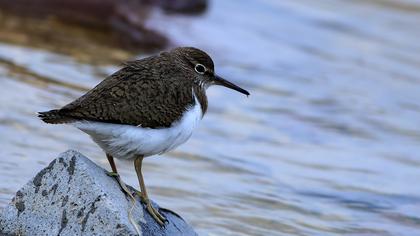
(74, 196)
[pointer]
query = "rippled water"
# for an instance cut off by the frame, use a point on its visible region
(327, 143)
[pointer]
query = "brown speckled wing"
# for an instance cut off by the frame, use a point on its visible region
(135, 95)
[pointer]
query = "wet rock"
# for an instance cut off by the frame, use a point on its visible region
(74, 196)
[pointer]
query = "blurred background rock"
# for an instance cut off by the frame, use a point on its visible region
(72, 26)
(327, 144)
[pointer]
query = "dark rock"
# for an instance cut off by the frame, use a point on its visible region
(183, 6)
(125, 19)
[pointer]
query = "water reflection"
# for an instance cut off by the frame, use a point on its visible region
(326, 144)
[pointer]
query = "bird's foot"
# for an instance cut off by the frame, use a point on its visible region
(121, 183)
(152, 211)
(155, 213)
(112, 174)
(130, 195)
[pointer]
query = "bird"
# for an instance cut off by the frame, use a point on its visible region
(150, 106)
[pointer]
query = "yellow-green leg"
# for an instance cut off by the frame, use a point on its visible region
(143, 194)
(115, 174)
(124, 187)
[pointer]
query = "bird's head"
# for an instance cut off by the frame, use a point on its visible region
(201, 66)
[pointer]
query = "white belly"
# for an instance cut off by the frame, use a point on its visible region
(127, 141)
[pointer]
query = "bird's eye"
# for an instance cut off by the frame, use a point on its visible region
(199, 68)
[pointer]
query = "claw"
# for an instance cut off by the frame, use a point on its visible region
(155, 214)
(152, 211)
(160, 216)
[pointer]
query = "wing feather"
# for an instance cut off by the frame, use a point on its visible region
(135, 95)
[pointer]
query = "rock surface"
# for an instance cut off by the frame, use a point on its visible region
(74, 196)
(125, 20)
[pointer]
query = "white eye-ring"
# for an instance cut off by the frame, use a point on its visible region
(199, 68)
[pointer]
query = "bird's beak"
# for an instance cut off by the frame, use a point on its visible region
(220, 81)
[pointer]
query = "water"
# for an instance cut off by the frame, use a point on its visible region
(327, 143)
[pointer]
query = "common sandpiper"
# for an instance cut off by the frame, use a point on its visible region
(148, 107)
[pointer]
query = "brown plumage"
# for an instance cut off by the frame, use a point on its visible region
(152, 92)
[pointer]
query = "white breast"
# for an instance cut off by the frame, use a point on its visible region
(127, 141)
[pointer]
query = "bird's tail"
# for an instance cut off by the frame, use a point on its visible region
(54, 117)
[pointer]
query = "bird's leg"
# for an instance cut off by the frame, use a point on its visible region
(143, 194)
(114, 172)
(124, 187)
